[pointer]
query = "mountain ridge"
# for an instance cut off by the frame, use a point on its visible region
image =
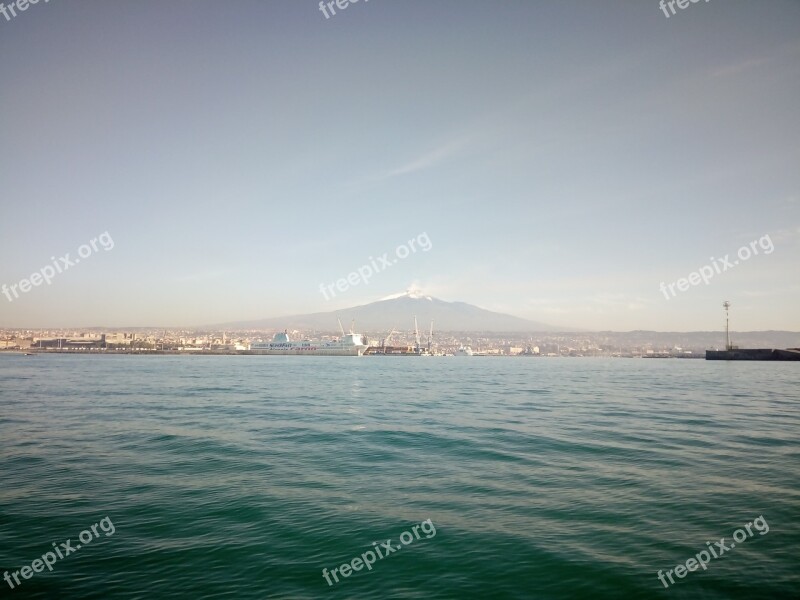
(398, 311)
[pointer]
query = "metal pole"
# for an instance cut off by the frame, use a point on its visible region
(727, 305)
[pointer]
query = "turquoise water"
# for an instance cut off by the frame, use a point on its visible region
(245, 476)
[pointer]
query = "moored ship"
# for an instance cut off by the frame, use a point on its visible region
(350, 344)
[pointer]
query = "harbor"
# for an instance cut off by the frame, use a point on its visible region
(732, 352)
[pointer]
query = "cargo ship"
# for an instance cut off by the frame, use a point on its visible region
(350, 344)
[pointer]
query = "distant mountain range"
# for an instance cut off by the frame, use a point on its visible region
(398, 312)
(698, 339)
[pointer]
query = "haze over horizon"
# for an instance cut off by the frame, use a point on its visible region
(564, 159)
(399, 320)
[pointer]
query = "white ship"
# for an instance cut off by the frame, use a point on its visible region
(464, 351)
(350, 344)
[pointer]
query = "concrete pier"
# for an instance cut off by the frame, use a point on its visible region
(753, 354)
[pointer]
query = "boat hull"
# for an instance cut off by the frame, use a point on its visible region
(350, 344)
(308, 351)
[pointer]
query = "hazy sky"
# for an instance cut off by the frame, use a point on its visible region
(564, 158)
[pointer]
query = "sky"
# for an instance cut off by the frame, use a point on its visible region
(563, 159)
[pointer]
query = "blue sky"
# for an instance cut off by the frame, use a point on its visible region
(564, 158)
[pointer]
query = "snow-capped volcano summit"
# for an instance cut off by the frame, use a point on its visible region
(414, 293)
